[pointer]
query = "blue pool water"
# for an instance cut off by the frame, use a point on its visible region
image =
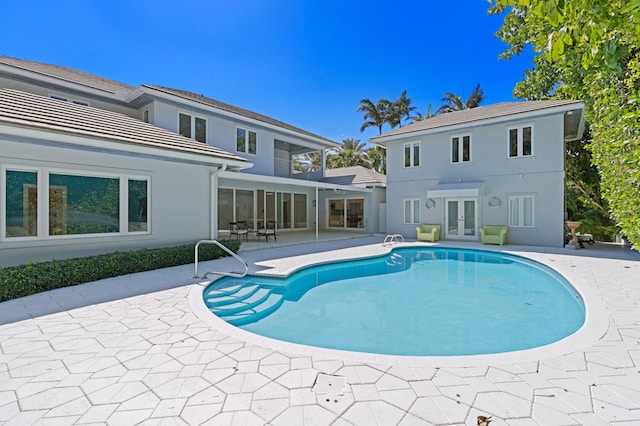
(425, 301)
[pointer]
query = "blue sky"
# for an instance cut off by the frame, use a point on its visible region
(307, 63)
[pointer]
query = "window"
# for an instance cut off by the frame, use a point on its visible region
(412, 154)
(138, 205)
(521, 141)
(412, 211)
(145, 115)
(73, 203)
(521, 211)
(21, 211)
(246, 141)
(461, 149)
(192, 127)
(73, 101)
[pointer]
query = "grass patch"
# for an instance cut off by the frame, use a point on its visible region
(32, 278)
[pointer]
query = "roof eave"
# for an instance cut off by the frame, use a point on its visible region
(381, 140)
(57, 81)
(105, 144)
(146, 89)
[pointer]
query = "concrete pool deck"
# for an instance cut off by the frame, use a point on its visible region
(138, 348)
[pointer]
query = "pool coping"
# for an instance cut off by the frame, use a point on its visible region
(595, 326)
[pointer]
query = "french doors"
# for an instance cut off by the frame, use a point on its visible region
(461, 219)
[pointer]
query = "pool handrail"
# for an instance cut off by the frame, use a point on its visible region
(226, 274)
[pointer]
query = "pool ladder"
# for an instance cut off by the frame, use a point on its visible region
(231, 253)
(393, 239)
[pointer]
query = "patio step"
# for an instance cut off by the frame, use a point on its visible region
(269, 305)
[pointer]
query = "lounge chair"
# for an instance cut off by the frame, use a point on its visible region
(428, 233)
(239, 229)
(493, 234)
(268, 231)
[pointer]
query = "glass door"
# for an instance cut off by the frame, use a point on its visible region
(462, 222)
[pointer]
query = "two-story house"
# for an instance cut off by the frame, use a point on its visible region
(90, 165)
(500, 164)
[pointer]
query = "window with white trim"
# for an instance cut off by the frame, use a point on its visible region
(521, 211)
(461, 149)
(44, 203)
(520, 141)
(192, 127)
(412, 154)
(411, 210)
(246, 141)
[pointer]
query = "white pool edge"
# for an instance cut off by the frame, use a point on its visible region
(595, 326)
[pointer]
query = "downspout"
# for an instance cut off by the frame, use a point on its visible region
(213, 182)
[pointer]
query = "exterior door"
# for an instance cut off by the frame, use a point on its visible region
(462, 219)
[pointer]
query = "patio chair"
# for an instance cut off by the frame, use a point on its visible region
(428, 233)
(239, 229)
(268, 231)
(493, 234)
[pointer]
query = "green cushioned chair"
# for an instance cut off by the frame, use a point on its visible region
(428, 233)
(493, 234)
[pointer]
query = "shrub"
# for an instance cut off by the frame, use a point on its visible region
(23, 280)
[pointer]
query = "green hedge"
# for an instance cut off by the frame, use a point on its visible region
(23, 280)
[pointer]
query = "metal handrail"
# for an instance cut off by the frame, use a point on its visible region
(393, 239)
(226, 274)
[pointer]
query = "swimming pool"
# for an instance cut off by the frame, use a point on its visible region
(427, 301)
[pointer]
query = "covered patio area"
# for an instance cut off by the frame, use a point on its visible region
(285, 239)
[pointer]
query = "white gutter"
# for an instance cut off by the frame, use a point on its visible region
(213, 214)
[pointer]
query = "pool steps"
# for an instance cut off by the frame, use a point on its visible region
(244, 303)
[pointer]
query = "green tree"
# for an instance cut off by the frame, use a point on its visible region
(375, 115)
(588, 49)
(452, 102)
(400, 110)
(377, 159)
(417, 116)
(350, 153)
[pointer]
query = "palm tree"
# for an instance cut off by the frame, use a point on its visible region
(377, 159)
(401, 109)
(419, 117)
(374, 114)
(350, 153)
(452, 102)
(314, 160)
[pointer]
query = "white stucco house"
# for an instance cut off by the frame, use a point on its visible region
(500, 164)
(89, 165)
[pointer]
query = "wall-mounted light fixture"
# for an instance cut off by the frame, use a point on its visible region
(430, 203)
(313, 203)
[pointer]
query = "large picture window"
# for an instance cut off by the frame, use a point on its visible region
(521, 211)
(70, 203)
(83, 205)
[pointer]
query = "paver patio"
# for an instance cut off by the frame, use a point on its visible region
(135, 350)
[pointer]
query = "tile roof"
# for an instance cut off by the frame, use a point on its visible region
(354, 175)
(68, 74)
(236, 110)
(25, 109)
(477, 114)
